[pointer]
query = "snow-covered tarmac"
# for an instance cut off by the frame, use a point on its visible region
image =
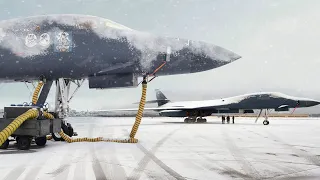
(169, 149)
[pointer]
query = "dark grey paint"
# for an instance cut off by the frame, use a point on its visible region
(97, 49)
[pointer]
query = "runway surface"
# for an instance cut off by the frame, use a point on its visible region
(169, 149)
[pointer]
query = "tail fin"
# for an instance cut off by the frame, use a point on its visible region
(161, 98)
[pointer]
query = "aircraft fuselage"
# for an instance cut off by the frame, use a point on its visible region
(78, 46)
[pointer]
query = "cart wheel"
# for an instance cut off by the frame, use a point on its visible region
(23, 142)
(41, 141)
(5, 145)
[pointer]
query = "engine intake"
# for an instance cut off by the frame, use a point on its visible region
(281, 109)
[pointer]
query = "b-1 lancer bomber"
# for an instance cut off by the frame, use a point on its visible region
(194, 111)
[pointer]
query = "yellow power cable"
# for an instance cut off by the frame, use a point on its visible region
(14, 125)
(36, 93)
(140, 110)
(133, 131)
(33, 113)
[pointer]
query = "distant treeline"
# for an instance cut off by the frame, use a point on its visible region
(110, 114)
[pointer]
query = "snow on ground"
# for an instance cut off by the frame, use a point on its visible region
(169, 149)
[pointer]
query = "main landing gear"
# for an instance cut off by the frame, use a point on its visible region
(195, 120)
(62, 99)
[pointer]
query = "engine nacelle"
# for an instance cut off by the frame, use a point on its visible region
(231, 111)
(184, 113)
(248, 111)
(282, 109)
(173, 113)
(113, 81)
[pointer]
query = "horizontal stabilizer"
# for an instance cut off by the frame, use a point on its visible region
(129, 109)
(154, 101)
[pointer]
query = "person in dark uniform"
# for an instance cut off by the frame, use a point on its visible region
(228, 119)
(223, 119)
(232, 119)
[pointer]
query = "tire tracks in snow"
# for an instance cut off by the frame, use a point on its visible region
(149, 155)
(247, 167)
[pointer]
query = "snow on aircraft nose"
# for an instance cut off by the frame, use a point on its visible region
(195, 56)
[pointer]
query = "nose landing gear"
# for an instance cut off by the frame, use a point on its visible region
(266, 121)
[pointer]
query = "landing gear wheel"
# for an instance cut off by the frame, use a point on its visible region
(70, 131)
(41, 141)
(201, 120)
(67, 129)
(23, 142)
(56, 136)
(265, 122)
(204, 120)
(190, 120)
(5, 145)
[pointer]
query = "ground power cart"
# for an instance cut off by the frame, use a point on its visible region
(31, 130)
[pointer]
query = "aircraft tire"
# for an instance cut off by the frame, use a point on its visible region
(201, 120)
(41, 141)
(192, 120)
(5, 145)
(23, 142)
(265, 122)
(56, 137)
(69, 130)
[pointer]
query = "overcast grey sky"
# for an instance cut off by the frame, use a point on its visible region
(278, 41)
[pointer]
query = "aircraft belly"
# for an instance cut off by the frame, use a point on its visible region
(51, 66)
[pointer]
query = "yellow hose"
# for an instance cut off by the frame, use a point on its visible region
(133, 131)
(33, 113)
(140, 110)
(14, 125)
(36, 93)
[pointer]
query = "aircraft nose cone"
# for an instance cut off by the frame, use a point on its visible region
(204, 64)
(314, 103)
(311, 103)
(208, 56)
(197, 56)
